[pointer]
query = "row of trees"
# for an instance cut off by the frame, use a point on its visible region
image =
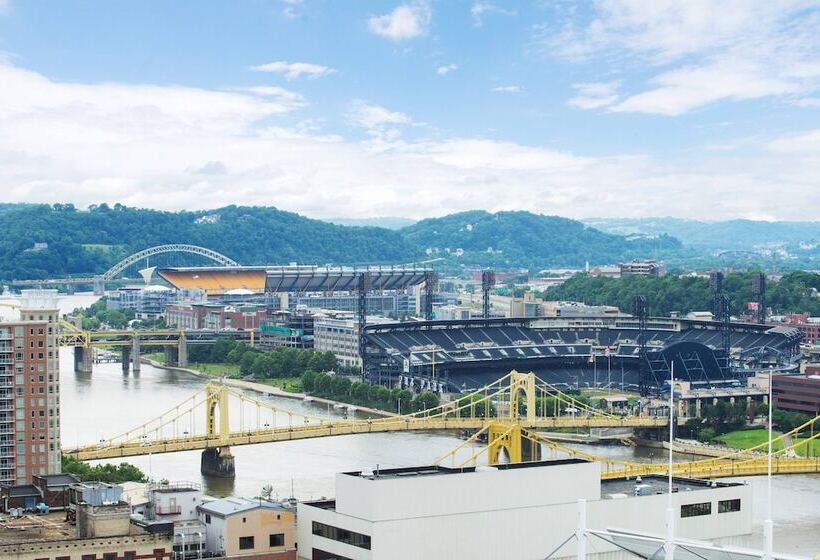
(97, 315)
(113, 474)
(795, 292)
(341, 388)
(725, 417)
(275, 363)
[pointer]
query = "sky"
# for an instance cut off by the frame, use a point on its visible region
(355, 109)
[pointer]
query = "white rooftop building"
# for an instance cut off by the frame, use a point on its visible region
(517, 511)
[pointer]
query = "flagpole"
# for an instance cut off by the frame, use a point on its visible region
(768, 524)
(669, 545)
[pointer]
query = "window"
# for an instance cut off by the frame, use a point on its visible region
(88, 557)
(110, 556)
(341, 535)
(322, 555)
(695, 510)
(725, 506)
(130, 555)
(277, 539)
(207, 518)
(245, 543)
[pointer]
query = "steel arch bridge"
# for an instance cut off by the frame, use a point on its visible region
(218, 258)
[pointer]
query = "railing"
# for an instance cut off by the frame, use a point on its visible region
(168, 510)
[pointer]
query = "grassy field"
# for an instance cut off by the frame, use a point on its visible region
(216, 370)
(744, 439)
(289, 384)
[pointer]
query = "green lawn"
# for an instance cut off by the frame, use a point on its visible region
(744, 439)
(156, 356)
(804, 450)
(289, 384)
(216, 370)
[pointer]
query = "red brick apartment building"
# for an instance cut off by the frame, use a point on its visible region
(30, 390)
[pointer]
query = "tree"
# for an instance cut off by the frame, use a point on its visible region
(309, 380)
(246, 363)
(425, 401)
(340, 387)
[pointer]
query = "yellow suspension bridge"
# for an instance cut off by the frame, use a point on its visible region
(507, 413)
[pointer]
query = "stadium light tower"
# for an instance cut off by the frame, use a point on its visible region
(487, 283)
(640, 310)
(759, 289)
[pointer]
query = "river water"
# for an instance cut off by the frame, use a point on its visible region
(106, 402)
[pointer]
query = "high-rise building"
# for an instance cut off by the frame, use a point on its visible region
(30, 390)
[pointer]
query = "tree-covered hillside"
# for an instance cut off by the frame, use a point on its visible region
(80, 242)
(523, 239)
(796, 292)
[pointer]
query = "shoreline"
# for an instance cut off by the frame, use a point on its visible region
(269, 389)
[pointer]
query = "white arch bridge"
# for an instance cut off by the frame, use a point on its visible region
(99, 281)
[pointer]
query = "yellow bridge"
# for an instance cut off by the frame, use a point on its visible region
(507, 414)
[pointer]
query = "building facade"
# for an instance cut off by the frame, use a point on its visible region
(642, 268)
(148, 302)
(798, 393)
(242, 527)
(523, 510)
(340, 335)
(30, 390)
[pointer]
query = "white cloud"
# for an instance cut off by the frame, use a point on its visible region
(4, 7)
(444, 70)
(479, 9)
(404, 22)
(174, 148)
(749, 50)
(507, 89)
(295, 70)
(593, 95)
(379, 121)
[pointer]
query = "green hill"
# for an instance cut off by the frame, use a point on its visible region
(81, 242)
(524, 239)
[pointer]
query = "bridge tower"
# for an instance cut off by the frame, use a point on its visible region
(509, 434)
(217, 460)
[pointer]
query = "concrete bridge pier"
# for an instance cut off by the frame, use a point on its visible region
(83, 359)
(126, 358)
(99, 286)
(182, 351)
(171, 356)
(135, 354)
(218, 461)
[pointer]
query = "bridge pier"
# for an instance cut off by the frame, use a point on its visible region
(83, 359)
(182, 351)
(171, 356)
(530, 450)
(135, 354)
(99, 286)
(126, 358)
(218, 461)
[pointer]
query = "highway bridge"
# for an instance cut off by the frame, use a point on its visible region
(507, 414)
(98, 282)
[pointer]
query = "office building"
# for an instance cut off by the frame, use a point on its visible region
(642, 268)
(798, 393)
(29, 390)
(340, 334)
(523, 510)
(255, 528)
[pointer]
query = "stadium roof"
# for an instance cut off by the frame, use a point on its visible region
(258, 279)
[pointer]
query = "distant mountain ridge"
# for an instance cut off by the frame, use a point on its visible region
(386, 222)
(88, 241)
(723, 235)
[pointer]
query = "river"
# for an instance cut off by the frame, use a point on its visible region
(107, 402)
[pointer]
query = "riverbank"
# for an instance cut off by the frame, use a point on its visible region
(265, 389)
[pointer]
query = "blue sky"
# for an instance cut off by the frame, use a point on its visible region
(419, 108)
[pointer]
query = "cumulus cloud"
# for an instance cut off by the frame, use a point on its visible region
(173, 147)
(404, 22)
(295, 70)
(750, 50)
(444, 70)
(592, 95)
